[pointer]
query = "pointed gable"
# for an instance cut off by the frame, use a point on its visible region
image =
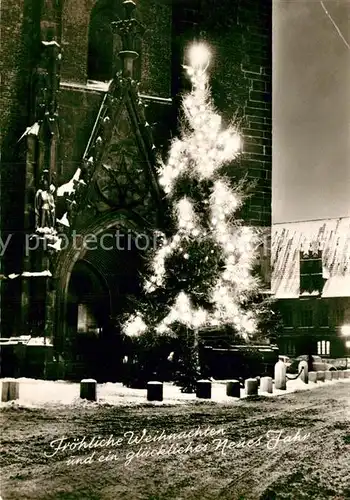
(118, 169)
(120, 157)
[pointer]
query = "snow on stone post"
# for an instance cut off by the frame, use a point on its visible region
(312, 376)
(88, 389)
(280, 376)
(154, 391)
(10, 390)
(266, 384)
(304, 369)
(203, 390)
(335, 375)
(251, 387)
(233, 389)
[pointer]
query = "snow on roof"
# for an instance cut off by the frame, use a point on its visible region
(337, 286)
(331, 236)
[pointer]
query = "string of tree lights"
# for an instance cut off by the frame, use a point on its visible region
(202, 274)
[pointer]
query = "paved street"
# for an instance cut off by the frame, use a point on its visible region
(238, 457)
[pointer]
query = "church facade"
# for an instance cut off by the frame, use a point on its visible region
(90, 101)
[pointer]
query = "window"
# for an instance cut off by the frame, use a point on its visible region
(288, 317)
(103, 50)
(339, 315)
(311, 272)
(306, 318)
(105, 44)
(289, 348)
(323, 347)
(323, 315)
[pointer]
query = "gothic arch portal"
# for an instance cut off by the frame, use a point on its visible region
(110, 270)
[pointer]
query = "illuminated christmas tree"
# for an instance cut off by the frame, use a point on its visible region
(201, 275)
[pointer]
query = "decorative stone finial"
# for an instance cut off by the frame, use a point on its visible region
(129, 29)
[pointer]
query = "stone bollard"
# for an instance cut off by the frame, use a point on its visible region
(280, 376)
(327, 375)
(320, 376)
(154, 391)
(341, 374)
(304, 375)
(233, 389)
(335, 375)
(203, 390)
(10, 390)
(251, 387)
(266, 384)
(347, 373)
(88, 389)
(313, 377)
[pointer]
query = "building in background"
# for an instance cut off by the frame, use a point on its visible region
(311, 175)
(311, 280)
(79, 135)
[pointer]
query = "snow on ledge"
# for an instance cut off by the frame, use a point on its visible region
(52, 42)
(97, 85)
(36, 274)
(314, 293)
(69, 186)
(12, 276)
(32, 130)
(39, 341)
(92, 85)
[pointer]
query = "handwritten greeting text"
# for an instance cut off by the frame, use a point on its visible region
(145, 444)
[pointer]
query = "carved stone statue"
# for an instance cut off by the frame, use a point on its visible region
(45, 206)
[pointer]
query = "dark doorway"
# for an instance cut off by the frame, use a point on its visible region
(103, 288)
(88, 312)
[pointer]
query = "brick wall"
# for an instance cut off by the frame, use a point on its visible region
(20, 25)
(156, 48)
(75, 28)
(19, 46)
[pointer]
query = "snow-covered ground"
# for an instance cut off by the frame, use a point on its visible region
(38, 393)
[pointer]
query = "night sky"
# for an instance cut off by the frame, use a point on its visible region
(311, 110)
